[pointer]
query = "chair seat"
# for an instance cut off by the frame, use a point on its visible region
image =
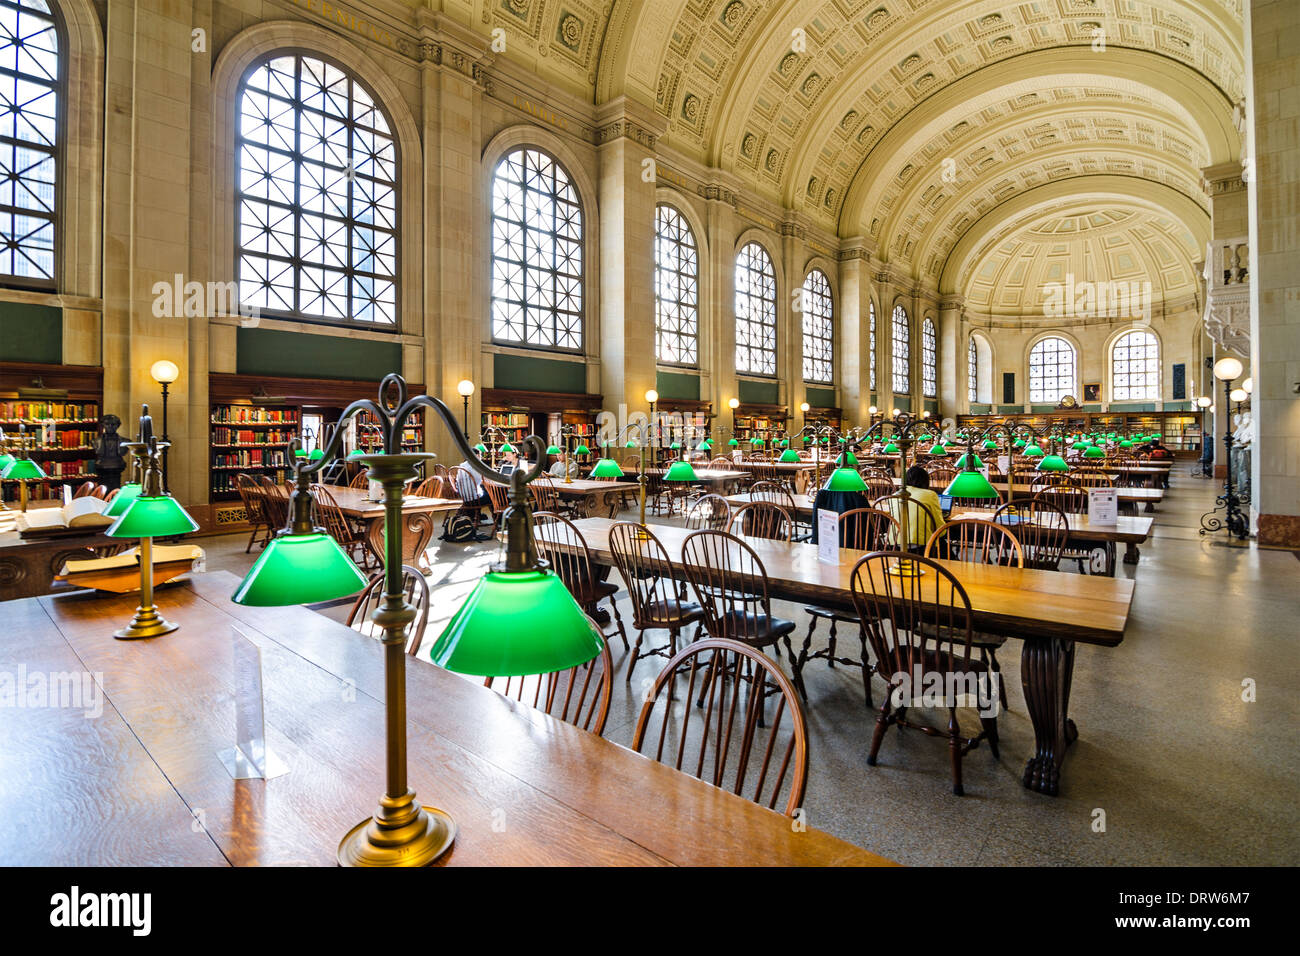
(672, 612)
(605, 588)
(830, 614)
(756, 629)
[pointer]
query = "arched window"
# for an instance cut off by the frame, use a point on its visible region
(902, 339)
(818, 330)
(1051, 370)
(1135, 367)
(871, 333)
(929, 360)
(972, 372)
(537, 294)
(677, 289)
(29, 137)
(755, 311)
(316, 212)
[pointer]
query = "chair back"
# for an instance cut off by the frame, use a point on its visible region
(544, 494)
(909, 512)
(360, 480)
(878, 487)
(941, 473)
(722, 462)
(84, 490)
(976, 540)
(762, 519)
(730, 584)
(577, 695)
(416, 590)
(867, 529)
(434, 486)
(1041, 527)
(561, 544)
(331, 515)
(722, 742)
(647, 571)
(250, 493)
(1092, 478)
(462, 483)
(708, 512)
(1068, 498)
(915, 624)
(498, 494)
(275, 500)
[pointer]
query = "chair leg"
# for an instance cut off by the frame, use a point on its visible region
(618, 619)
(990, 655)
(991, 734)
(954, 751)
(830, 658)
(797, 665)
(636, 652)
(867, 671)
(882, 725)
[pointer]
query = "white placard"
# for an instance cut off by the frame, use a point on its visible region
(1004, 465)
(249, 758)
(828, 536)
(737, 456)
(67, 494)
(1103, 506)
(376, 490)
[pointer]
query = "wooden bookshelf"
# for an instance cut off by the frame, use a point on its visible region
(519, 413)
(1179, 431)
(64, 428)
(768, 422)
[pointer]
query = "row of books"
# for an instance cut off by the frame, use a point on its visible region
(72, 438)
(251, 458)
(505, 420)
(239, 414)
(225, 482)
(60, 411)
(247, 436)
(77, 468)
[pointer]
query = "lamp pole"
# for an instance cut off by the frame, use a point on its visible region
(165, 373)
(651, 396)
(1234, 519)
(466, 389)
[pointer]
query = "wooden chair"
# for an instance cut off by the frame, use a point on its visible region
(729, 745)
(658, 600)
(84, 490)
(433, 487)
(778, 493)
(1092, 478)
(762, 519)
(499, 496)
(275, 501)
(361, 480)
(577, 695)
(941, 475)
(708, 512)
(545, 495)
(331, 517)
(862, 529)
(922, 623)
(878, 487)
(1041, 527)
(561, 544)
(417, 533)
(416, 589)
(250, 493)
(101, 492)
(919, 521)
(722, 462)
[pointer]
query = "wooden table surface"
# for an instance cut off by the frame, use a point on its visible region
(142, 784)
(29, 566)
(355, 503)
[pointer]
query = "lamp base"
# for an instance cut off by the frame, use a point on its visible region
(146, 623)
(904, 568)
(419, 843)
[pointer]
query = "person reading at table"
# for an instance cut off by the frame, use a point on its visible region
(918, 528)
(509, 462)
(563, 465)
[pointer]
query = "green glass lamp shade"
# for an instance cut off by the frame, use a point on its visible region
(757, 441)
(846, 458)
(971, 484)
(680, 471)
(630, 444)
(22, 468)
(732, 442)
(582, 450)
(1126, 444)
(708, 443)
(480, 448)
(316, 454)
(890, 449)
(300, 453)
(843, 441)
(826, 441)
(961, 462)
(675, 446)
(785, 443)
(299, 569)
(553, 450)
(125, 495)
(5, 461)
(1094, 451)
(1018, 443)
(845, 479)
(1080, 445)
(1053, 463)
(507, 447)
(922, 439)
(990, 444)
(938, 449)
(1156, 436)
(153, 517)
(948, 442)
(1033, 451)
(607, 468)
(515, 623)
(789, 455)
(358, 452)
(702, 446)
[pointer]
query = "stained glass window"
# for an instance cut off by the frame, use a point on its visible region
(1051, 370)
(817, 309)
(755, 311)
(537, 268)
(929, 360)
(902, 340)
(1135, 367)
(677, 289)
(871, 325)
(316, 212)
(29, 133)
(972, 372)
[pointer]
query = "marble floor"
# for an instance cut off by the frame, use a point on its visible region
(1172, 765)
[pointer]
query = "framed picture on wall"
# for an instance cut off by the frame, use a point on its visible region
(1092, 392)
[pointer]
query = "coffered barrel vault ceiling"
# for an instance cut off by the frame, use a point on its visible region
(908, 122)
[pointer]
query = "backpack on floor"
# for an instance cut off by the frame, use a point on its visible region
(461, 526)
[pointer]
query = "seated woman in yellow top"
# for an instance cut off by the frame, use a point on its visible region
(922, 521)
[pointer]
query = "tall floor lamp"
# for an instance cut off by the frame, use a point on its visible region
(1226, 370)
(165, 373)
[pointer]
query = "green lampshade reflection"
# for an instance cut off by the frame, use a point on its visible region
(680, 471)
(1018, 443)
(826, 441)
(890, 449)
(358, 452)
(1156, 436)
(1094, 451)
(507, 448)
(846, 458)
(732, 442)
(630, 444)
(607, 468)
(553, 450)
(1033, 451)
(789, 455)
(152, 517)
(990, 444)
(20, 469)
(845, 479)
(299, 569)
(971, 484)
(961, 462)
(948, 442)
(1053, 463)
(125, 495)
(582, 450)
(485, 637)
(784, 443)
(922, 439)
(938, 449)
(316, 454)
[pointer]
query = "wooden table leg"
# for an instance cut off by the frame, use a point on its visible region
(613, 499)
(1150, 508)
(1131, 553)
(1046, 668)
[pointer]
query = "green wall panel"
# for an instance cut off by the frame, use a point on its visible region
(1132, 406)
(1010, 409)
(758, 393)
(903, 403)
(303, 355)
(538, 374)
(981, 409)
(677, 385)
(31, 333)
(820, 397)
(932, 406)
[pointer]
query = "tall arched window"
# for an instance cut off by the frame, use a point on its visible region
(1051, 370)
(929, 360)
(537, 294)
(871, 335)
(1135, 367)
(972, 372)
(818, 328)
(677, 289)
(902, 342)
(316, 212)
(29, 137)
(755, 311)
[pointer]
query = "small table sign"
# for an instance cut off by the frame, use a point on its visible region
(1103, 506)
(828, 536)
(1004, 465)
(249, 759)
(737, 456)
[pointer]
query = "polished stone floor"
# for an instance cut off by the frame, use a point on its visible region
(1172, 766)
